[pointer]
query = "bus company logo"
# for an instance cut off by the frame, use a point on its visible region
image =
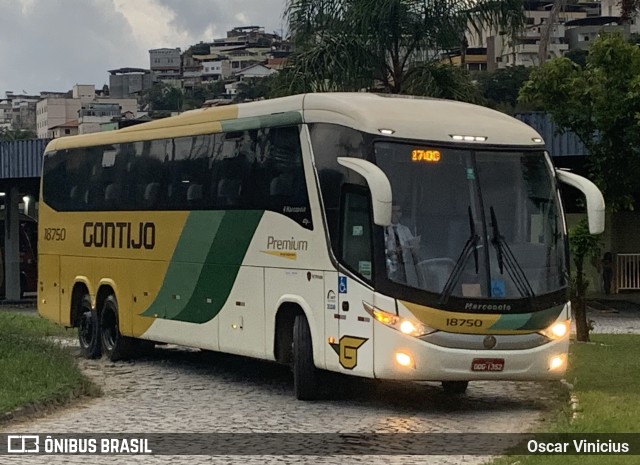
(347, 350)
(119, 235)
(285, 248)
(487, 307)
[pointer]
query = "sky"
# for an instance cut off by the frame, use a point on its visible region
(50, 45)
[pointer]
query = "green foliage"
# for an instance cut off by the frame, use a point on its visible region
(582, 246)
(253, 89)
(164, 97)
(604, 376)
(501, 87)
(36, 371)
(600, 102)
(7, 134)
(388, 46)
(195, 96)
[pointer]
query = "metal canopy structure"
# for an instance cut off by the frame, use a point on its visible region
(20, 167)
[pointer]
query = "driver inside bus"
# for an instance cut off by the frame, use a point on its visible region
(401, 250)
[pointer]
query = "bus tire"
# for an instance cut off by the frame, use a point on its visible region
(114, 345)
(455, 387)
(305, 373)
(88, 329)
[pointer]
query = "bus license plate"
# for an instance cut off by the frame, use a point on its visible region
(487, 364)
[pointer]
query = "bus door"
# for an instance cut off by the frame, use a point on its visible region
(355, 345)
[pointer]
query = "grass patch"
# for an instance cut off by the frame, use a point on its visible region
(605, 377)
(35, 372)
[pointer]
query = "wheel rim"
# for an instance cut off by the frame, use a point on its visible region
(86, 330)
(109, 331)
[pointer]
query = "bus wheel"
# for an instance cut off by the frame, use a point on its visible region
(115, 345)
(88, 329)
(455, 387)
(305, 374)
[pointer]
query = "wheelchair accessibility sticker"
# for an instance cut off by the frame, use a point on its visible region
(497, 288)
(342, 284)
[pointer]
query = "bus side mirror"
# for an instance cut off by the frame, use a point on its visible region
(595, 201)
(378, 185)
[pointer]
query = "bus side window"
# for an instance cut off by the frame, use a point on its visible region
(356, 223)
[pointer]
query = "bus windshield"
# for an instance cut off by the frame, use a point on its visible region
(473, 223)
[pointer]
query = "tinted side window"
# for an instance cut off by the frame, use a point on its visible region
(255, 169)
(330, 141)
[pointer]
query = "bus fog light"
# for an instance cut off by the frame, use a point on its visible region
(557, 362)
(404, 360)
(557, 330)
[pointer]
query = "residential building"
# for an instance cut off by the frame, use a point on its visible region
(523, 50)
(70, 128)
(56, 109)
(255, 71)
(612, 8)
(129, 82)
(18, 111)
(165, 63)
(92, 115)
(581, 32)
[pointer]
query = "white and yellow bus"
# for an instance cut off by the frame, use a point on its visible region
(386, 237)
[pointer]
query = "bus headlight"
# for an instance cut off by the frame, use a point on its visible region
(557, 330)
(406, 326)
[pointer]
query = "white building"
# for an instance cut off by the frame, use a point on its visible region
(57, 109)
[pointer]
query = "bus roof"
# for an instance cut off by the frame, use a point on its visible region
(408, 117)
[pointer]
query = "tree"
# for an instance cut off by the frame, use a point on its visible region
(200, 93)
(253, 89)
(7, 134)
(600, 102)
(390, 46)
(583, 246)
(501, 87)
(164, 97)
(545, 35)
(628, 10)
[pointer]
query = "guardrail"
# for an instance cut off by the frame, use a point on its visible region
(627, 271)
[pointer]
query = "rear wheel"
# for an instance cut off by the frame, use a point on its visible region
(114, 344)
(455, 387)
(88, 329)
(305, 373)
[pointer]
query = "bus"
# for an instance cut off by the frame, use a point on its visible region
(267, 229)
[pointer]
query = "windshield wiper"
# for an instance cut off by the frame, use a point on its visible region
(505, 257)
(469, 247)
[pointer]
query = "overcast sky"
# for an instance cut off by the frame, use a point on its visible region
(53, 44)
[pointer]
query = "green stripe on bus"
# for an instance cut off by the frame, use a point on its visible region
(528, 321)
(204, 265)
(222, 266)
(198, 234)
(543, 319)
(256, 122)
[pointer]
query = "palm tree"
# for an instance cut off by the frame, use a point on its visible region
(545, 36)
(391, 46)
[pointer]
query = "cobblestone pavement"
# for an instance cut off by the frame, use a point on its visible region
(615, 318)
(179, 390)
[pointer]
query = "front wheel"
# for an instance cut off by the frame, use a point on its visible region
(305, 373)
(88, 329)
(115, 345)
(455, 387)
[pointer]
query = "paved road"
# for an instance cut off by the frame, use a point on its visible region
(182, 390)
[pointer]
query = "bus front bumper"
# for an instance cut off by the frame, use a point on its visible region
(407, 358)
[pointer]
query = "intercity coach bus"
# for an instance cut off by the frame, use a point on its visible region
(379, 236)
